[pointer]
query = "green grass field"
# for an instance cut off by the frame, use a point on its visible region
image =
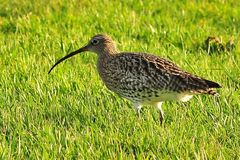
(70, 114)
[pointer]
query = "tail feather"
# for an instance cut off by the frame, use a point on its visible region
(212, 92)
(212, 84)
(208, 91)
(203, 86)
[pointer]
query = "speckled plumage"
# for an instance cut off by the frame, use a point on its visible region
(143, 78)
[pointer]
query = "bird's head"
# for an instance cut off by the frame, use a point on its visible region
(100, 44)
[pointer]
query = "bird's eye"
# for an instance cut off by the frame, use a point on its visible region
(95, 42)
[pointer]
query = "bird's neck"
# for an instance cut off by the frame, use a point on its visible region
(103, 61)
(109, 50)
(104, 57)
(106, 53)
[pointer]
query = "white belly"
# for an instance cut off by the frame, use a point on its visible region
(173, 96)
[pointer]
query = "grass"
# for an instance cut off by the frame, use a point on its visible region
(70, 114)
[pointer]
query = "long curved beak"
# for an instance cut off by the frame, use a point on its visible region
(68, 56)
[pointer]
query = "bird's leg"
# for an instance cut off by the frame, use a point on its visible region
(159, 107)
(137, 107)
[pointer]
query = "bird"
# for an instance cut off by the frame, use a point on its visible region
(143, 78)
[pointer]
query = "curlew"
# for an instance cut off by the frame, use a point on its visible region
(143, 78)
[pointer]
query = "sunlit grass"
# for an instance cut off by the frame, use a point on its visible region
(71, 114)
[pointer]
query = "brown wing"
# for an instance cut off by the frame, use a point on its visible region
(144, 72)
(178, 79)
